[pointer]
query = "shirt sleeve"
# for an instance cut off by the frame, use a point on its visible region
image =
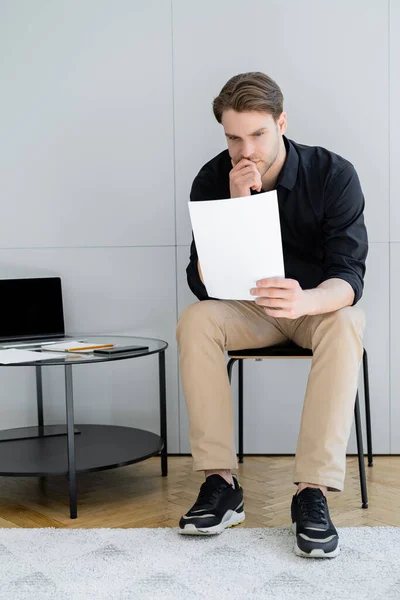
(193, 278)
(202, 189)
(345, 240)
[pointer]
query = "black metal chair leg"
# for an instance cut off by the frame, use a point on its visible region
(361, 465)
(367, 408)
(230, 364)
(240, 415)
(229, 367)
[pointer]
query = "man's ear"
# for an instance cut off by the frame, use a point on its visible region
(282, 123)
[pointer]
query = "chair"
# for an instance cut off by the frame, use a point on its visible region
(292, 350)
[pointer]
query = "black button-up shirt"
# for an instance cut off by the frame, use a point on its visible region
(321, 208)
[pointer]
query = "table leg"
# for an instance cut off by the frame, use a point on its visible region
(39, 397)
(163, 412)
(69, 400)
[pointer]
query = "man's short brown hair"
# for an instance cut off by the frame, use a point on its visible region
(248, 92)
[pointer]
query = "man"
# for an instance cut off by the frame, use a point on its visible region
(324, 247)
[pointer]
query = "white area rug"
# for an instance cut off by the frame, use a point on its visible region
(122, 564)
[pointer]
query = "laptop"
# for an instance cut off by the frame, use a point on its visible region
(31, 310)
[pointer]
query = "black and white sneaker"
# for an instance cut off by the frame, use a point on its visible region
(316, 536)
(217, 507)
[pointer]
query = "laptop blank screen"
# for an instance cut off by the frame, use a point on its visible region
(31, 307)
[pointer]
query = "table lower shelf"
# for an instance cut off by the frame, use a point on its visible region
(97, 447)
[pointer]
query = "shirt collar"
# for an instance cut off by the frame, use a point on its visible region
(288, 173)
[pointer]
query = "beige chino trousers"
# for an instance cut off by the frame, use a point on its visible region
(208, 328)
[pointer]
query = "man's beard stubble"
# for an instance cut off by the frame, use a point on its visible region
(267, 165)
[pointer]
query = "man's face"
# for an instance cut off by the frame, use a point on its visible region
(255, 136)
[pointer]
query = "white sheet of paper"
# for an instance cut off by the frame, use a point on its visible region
(238, 241)
(14, 356)
(64, 346)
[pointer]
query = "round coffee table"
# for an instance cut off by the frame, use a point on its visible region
(66, 450)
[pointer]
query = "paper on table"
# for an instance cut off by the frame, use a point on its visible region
(14, 356)
(61, 346)
(238, 241)
(74, 346)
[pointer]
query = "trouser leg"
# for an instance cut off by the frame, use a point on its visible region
(205, 330)
(336, 341)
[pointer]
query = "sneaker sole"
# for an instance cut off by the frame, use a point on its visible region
(231, 519)
(317, 552)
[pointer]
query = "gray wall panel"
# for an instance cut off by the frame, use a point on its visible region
(395, 348)
(394, 120)
(86, 151)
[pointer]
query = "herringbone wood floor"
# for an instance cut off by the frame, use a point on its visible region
(137, 496)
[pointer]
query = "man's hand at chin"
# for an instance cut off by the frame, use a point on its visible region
(282, 297)
(243, 178)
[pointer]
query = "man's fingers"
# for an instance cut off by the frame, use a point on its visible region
(277, 282)
(268, 292)
(248, 182)
(278, 292)
(273, 302)
(245, 169)
(242, 161)
(242, 164)
(248, 176)
(245, 176)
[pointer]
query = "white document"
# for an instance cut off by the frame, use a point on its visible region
(74, 346)
(238, 242)
(65, 346)
(14, 356)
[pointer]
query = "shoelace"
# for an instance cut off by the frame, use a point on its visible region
(209, 492)
(313, 509)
